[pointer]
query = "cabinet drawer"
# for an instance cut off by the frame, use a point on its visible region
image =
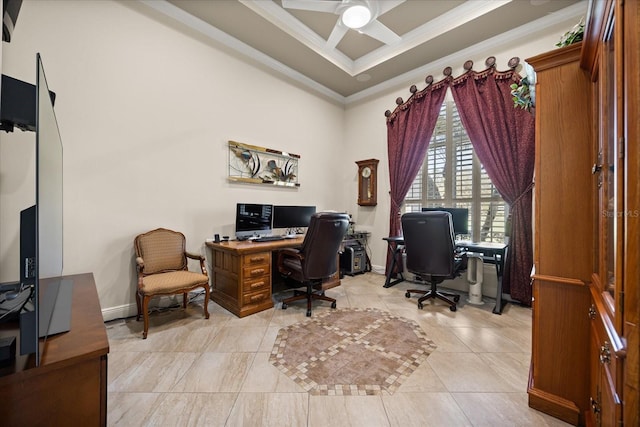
(257, 258)
(255, 271)
(254, 285)
(256, 297)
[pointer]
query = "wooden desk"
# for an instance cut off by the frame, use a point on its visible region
(241, 279)
(70, 385)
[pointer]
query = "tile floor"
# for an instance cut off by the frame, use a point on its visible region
(196, 372)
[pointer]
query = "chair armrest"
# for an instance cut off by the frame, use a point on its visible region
(460, 260)
(197, 257)
(291, 252)
(139, 263)
(194, 256)
(288, 253)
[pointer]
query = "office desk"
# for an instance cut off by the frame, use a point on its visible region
(492, 253)
(242, 274)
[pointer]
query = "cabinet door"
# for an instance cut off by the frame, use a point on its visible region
(608, 166)
(604, 398)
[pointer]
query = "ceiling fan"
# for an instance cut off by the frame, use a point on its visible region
(359, 15)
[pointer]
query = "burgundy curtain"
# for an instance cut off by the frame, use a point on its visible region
(409, 131)
(504, 139)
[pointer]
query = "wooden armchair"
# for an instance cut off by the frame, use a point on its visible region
(161, 261)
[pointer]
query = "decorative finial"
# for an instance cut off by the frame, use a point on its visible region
(513, 62)
(447, 71)
(490, 62)
(468, 65)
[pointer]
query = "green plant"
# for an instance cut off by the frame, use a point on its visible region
(573, 36)
(521, 94)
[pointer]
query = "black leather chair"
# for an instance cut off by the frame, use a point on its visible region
(431, 253)
(316, 259)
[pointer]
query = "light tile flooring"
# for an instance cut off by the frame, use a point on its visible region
(196, 372)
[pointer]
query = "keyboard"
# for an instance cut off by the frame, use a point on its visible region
(268, 238)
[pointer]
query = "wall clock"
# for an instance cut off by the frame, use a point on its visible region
(367, 182)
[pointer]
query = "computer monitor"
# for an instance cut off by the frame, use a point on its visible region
(292, 216)
(459, 216)
(253, 219)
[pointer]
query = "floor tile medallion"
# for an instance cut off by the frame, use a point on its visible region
(351, 351)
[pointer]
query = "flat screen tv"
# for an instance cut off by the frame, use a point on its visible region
(50, 311)
(459, 216)
(253, 220)
(292, 217)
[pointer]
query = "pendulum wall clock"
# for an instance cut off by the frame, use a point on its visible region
(367, 182)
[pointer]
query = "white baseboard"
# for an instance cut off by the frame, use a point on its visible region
(130, 310)
(119, 312)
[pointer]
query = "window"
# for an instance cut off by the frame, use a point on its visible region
(452, 176)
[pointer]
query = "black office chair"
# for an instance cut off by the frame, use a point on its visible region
(431, 253)
(316, 259)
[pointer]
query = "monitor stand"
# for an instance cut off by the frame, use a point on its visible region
(55, 311)
(54, 308)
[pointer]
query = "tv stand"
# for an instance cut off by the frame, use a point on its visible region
(70, 385)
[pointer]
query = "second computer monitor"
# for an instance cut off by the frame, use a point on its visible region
(459, 216)
(292, 216)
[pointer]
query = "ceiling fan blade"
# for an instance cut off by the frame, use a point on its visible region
(336, 35)
(314, 5)
(380, 32)
(385, 6)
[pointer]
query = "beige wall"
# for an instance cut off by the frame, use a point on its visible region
(145, 113)
(145, 110)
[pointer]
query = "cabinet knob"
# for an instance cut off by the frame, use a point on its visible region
(592, 312)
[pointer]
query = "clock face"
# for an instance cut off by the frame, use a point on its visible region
(366, 172)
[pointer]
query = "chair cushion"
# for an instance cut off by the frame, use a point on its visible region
(172, 281)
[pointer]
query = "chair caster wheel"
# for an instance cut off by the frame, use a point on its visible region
(456, 299)
(453, 308)
(408, 295)
(333, 305)
(420, 306)
(308, 313)
(284, 306)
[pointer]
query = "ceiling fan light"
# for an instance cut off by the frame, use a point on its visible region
(356, 16)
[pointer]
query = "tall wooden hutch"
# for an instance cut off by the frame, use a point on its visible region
(585, 367)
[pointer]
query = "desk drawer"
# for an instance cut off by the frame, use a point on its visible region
(258, 284)
(256, 271)
(256, 297)
(257, 258)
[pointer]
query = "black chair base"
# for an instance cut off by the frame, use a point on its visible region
(433, 293)
(310, 294)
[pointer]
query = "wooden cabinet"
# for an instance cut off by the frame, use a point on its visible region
(70, 385)
(563, 206)
(587, 228)
(611, 46)
(241, 279)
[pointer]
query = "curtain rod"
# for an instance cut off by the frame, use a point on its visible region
(490, 63)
